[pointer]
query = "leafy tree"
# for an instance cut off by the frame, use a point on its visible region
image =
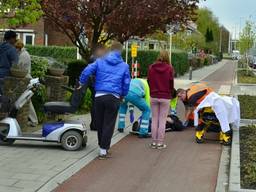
(208, 24)
(189, 42)
(209, 36)
(247, 37)
(19, 12)
(89, 22)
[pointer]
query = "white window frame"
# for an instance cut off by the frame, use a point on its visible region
(46, 39)
(29, 34)
(18, 35)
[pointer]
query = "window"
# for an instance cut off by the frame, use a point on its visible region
(151, 46)
(18, 35)
(46, 39)
(28, 39)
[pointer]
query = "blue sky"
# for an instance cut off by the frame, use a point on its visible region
(232, 12)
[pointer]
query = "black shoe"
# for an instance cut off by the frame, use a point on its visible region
(120, 130)
(93, 129)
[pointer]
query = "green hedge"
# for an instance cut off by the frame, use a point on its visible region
(74, 70)
(38, 70)
(63, 54)
(146, 58)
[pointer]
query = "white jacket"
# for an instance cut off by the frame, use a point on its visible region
(227, 110)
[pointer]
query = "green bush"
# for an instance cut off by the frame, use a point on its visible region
(74, 70)
(38, 70)
(145, 58)
(63, 54)
(38, 67)
(86, 103)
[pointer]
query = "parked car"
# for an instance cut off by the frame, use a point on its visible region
(236, 55)
(253, 63)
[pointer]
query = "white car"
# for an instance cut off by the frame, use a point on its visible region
(236, 55)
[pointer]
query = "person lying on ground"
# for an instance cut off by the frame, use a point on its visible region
(173, 123)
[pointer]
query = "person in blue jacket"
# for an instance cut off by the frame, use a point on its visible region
(8, 56)
(138, 96)
(112, 81)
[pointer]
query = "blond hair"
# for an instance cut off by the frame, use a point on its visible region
(19, 44)
(164, 56)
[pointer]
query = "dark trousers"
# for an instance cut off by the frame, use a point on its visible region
(92, 125)
(1, 86)
(106, 110)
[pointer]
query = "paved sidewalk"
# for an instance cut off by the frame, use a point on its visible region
(36, 166)
(183, 166)
(204, 72)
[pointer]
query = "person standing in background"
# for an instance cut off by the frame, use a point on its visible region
(8, 56)
(112, 81)
(161, 83)
(25, 64)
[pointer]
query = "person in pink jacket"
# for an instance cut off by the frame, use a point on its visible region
(161, 83)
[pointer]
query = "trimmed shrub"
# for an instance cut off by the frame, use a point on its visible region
(74, 70)
(146, 58)
(39, 67)
(86, 102)
(63, 54)
(38, 70)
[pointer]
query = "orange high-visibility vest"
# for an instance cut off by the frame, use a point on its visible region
(196, 88)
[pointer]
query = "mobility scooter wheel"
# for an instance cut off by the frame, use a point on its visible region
(72, 140)
(3, 139)
(6, 141)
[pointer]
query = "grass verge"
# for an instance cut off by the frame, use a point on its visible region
(247, 106)
(247, 77)
(248, 157)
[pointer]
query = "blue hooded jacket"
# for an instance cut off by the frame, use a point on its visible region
(8, 57)
(112, 74)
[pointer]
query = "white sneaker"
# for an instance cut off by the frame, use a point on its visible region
(161, 146)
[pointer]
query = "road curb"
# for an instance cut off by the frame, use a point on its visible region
(223, 179)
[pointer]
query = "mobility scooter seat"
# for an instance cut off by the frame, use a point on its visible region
(59, 107)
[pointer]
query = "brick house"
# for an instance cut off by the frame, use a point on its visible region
(40, 33)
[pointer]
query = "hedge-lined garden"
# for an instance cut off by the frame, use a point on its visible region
(67, 55)
(63, 54)
(145, 58)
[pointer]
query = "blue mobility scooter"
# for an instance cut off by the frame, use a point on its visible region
(70, 134)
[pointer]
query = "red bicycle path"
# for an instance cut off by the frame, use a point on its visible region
(183, 166)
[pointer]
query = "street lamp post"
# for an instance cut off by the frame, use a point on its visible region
(220, 48)
(170, 48)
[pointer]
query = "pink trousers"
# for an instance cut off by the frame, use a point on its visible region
(160, 109)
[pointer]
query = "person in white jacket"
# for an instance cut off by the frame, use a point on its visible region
(25, 64)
